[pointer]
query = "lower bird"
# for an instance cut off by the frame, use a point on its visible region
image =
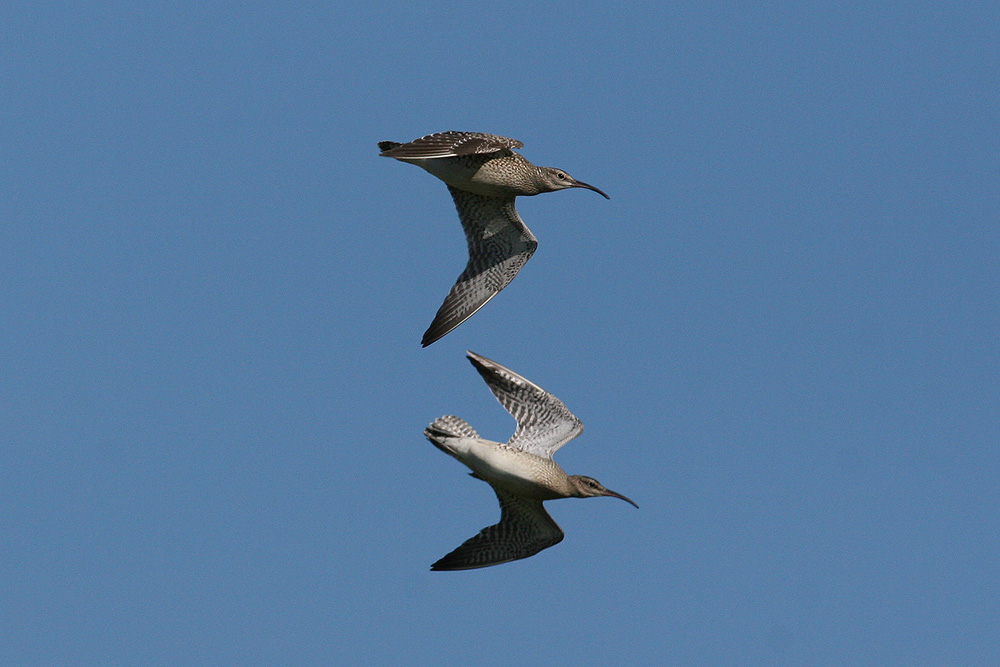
(484, 175)
(521, 472)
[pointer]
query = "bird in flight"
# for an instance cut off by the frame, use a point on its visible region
(483, 175)
(521, 471)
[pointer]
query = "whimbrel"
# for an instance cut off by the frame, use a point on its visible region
(484, 175)
(521, 472)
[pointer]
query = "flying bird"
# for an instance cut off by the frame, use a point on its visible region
(484, 175)
(521, 471)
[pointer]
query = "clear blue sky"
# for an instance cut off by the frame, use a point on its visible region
(781, 333)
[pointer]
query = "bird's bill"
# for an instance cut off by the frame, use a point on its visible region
(581, 184)
(609, 492)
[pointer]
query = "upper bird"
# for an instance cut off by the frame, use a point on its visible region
(521, 472)
(484, 175)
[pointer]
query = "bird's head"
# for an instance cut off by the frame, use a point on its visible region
(588, 487)
(556, 179)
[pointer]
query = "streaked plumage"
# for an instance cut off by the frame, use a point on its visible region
(484, 175)
(521, 472)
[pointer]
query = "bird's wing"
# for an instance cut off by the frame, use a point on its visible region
(544, 423)
(525, 528)
(449, 144)
(499, 245)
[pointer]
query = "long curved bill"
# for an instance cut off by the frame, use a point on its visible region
(581, 184)
(609, 492)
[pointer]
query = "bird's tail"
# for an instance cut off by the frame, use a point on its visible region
(388, 145)
(450, 426)
(444, 428)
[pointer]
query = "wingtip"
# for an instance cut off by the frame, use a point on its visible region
(441, 566)
(452, 563)
(428, 339)
(448, 564)
(438, 330)
(433, 334)
(480, 362)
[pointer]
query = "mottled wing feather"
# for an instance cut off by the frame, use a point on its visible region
(499, 245)
(544, 423)
(525, 528)
(449, 144)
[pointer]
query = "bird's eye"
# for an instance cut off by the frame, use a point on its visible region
(561, 176)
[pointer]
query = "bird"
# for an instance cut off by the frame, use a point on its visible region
(521, 471)
(484, 175)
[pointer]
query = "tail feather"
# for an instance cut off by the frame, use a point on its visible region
(449, 426)
(388, 145)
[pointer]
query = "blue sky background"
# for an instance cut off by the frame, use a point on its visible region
(781, 332)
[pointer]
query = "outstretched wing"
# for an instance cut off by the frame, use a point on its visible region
(499, 245)
(544, 423)
(448, 144)
(525, 528)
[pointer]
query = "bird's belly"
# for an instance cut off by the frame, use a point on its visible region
(518, 471)
(472, 179)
